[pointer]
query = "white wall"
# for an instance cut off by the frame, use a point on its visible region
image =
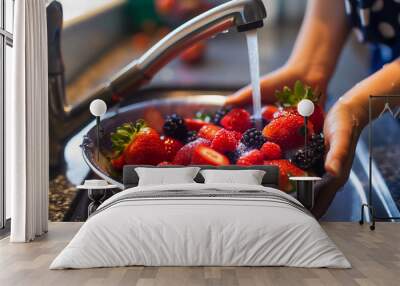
(76, 8)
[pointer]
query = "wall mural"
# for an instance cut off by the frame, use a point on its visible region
(180, 117)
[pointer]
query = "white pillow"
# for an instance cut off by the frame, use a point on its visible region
(166, 176)
(248, 177)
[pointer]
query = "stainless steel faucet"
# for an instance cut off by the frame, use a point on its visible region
(243, 14)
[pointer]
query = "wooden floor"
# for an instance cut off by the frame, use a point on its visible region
(375, 257)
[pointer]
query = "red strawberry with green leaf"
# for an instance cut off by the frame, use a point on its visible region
(289, 99)
(288, 131)
(286, 170)
(203, 155)
(138, 143)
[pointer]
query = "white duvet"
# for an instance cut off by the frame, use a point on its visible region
(202, 231)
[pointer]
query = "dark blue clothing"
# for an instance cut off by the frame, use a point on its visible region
(377, 22)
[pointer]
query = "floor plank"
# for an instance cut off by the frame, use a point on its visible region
(375, 257)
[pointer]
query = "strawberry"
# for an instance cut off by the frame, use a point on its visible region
(253, 157)
(268, 112)
(194, 124)
(138, 143)
(237, 119)
(184, 155)
(118, 162)
(171, 147)
(289, 99)
(237, 135)
(271, 151)
(287, 131)
(203, 155)
(208, 131)
(317, 118)
(286, 170)
(225, 141)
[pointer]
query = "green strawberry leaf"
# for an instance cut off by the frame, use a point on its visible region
(299, 92)
(124, 135)
(288, 97)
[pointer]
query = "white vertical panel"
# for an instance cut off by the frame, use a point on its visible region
(2, 89)
(7, 94)
(9, 15)
(27, 141)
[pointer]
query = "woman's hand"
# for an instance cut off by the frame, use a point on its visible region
(344, 124)
(342, 130)
(285, 76)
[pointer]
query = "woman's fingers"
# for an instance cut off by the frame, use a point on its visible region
(339, 147)
(241, 97)
(341, 132)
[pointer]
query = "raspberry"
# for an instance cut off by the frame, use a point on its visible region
(237, 119)
(224, 141)
(271, 151)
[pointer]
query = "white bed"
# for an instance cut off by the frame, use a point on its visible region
(201, 225)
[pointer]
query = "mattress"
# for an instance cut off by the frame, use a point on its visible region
(201, 225)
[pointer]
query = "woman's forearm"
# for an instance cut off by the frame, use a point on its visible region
(321, 38)
(384, 82)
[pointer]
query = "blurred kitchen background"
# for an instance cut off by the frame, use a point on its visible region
(99, 37)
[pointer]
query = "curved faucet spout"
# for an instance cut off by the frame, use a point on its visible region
(242, 14)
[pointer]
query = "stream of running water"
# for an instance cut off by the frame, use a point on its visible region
(254, 61)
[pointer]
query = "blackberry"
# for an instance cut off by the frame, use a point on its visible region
(219, 114)
(317, 143)
(174, 126)
(191, 136)
(314, 157)
(253, 138)
(304, 159)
